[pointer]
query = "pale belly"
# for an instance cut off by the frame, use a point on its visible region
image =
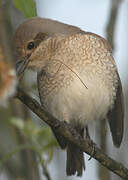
(78, 104)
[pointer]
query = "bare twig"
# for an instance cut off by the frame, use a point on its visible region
(110, 28)
(5, 31)
(45, 171)
(68, 132)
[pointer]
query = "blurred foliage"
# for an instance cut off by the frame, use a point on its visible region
(21, 139)
(40, 140)
(27, 7)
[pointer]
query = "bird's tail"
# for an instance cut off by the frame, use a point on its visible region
(75, 161)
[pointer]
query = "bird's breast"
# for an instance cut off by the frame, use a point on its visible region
(79, 98)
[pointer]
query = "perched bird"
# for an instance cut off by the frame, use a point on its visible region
(77, 79)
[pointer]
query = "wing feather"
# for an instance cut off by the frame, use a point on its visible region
(116, 116)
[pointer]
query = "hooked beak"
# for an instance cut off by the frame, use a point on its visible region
(21, 66)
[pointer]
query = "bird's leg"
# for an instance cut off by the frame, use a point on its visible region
(87, 133)
(88, 137)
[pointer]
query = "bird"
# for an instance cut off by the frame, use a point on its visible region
(77, 78)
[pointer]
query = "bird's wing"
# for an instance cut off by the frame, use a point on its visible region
(41, 80)
(116, 116)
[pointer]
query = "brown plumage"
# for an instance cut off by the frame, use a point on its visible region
(77, 80)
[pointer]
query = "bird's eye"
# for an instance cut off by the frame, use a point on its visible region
(31, 45)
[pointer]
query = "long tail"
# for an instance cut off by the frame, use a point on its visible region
(75, 157)
(75, 161)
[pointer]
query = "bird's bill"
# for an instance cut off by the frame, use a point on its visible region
(21, 66)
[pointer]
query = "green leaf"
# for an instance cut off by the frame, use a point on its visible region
(17, 122)
(27, 7)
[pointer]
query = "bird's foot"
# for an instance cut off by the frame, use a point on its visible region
(93, 151)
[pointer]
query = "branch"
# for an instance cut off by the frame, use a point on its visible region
(68, 132)
(110, 32)
(6, 31)
(110, 28)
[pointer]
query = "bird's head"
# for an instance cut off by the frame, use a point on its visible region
(33, 53)
(31, 44)
(30, 34)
